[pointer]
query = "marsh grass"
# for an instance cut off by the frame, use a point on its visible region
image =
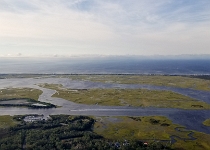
(159, 80)
(7, 121)
(129, 128)
(150, 128)
(207, 122)
(127, 97)
(10, 93)
(201, 143)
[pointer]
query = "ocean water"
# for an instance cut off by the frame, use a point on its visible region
(104, 65)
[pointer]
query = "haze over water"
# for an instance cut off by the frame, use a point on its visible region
(104, 65)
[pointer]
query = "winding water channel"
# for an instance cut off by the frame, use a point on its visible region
(191, 119)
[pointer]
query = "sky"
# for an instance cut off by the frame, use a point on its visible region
(104, 27)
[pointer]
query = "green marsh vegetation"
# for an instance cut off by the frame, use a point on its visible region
(201, 82)
(207, 122)
(150, 129)
(159, 80)
(127, 97)
(10, 93)
(7, 121)
(22, 97)
(153, 127)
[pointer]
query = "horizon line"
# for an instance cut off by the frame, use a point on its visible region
(104, 55)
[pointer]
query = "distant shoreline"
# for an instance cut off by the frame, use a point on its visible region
(137, 74)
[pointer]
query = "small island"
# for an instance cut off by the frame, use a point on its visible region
(22, 97)
(207, 122)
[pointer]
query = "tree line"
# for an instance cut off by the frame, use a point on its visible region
(63, 132)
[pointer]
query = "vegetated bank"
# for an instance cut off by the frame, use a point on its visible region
(207, 122)
(151, 129)
(64, 132)
(26, 102)
(22, 97)
(192, 82)
(127, 97)
(15, 93)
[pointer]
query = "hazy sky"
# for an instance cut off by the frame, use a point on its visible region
(107, 27)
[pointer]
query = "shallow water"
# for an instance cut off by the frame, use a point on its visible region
(192, 119)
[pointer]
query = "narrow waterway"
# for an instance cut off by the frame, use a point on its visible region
(191, 119)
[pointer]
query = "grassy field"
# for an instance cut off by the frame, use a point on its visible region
(7, 121)
(207, 122)
(159, 80)
(11, 93)
(127, 97)
(150, 129)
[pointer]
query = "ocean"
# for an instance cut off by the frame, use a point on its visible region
(104, 65)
